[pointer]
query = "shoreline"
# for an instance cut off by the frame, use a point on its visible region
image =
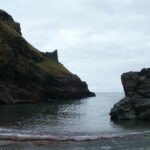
(139, 142)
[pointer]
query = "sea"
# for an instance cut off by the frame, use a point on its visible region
(77, 120)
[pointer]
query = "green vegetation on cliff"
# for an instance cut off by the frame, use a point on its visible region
(28, 75)
(9, 34)
(53, 67)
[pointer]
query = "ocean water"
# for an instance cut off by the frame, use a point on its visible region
(69, 119)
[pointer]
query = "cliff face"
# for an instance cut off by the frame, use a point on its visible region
(28, 75)
(136, 104)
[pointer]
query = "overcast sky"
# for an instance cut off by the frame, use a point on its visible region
(97, 39)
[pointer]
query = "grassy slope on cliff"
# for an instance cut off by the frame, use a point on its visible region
(48, 65)
(53, 67)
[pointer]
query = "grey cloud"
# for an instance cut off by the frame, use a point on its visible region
(96, 39)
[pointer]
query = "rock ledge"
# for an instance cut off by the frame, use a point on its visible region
(136, 104)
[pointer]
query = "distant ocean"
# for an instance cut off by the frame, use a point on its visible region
(67, 119)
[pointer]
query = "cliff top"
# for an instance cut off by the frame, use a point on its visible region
(10, 36)
(4, 16)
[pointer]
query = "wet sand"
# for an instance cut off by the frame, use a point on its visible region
(134, 142)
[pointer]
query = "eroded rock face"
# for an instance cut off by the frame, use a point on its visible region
(136, 104)
(29, 76)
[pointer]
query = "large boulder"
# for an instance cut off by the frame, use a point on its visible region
(136, 104)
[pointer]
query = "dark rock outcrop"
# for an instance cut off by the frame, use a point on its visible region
(52, 55)
(7, 19)
(28, 75)
(136, 104)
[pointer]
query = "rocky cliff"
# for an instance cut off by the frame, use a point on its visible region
(136, 104)
(28, 75)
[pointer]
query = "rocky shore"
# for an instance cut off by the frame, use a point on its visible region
(28, 75)
(136, 104)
